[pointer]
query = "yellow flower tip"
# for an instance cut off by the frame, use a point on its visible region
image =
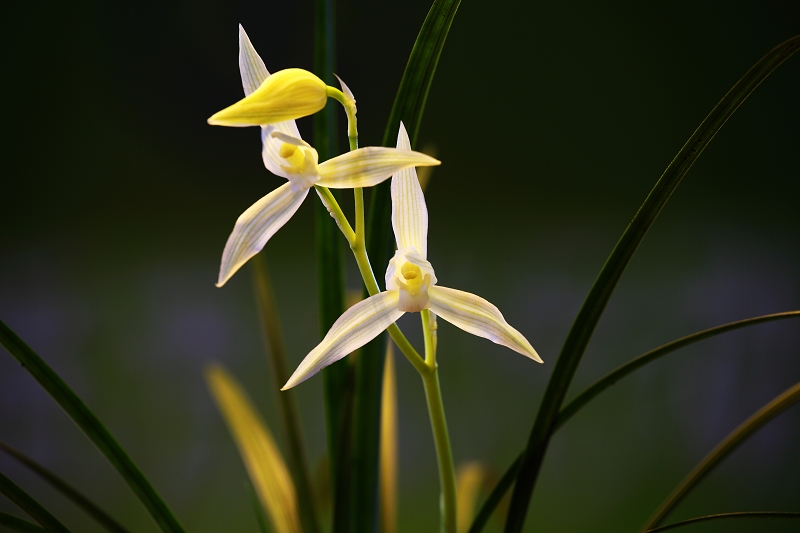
(286, 95)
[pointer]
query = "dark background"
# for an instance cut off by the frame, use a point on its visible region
(553, 121)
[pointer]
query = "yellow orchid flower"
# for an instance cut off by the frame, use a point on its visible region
(410, 286)
(287, 155)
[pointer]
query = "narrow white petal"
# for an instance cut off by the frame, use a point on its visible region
(254, 72)
(355, 328)
(475, 315)
(346, 90)
(369, 166)
(251, 66)
(409, 213)
(255, 227)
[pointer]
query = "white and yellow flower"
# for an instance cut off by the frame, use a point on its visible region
(411, 285)
(287, 155)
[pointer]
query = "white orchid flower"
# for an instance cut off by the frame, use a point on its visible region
(287, 155)
(411, 285)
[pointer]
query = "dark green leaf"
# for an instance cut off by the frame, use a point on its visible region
(66, 489)
(92, 427)
(18, 524)
(409, 105)
(30, 506)
(750, 514)
(585, 323)
(723, 449)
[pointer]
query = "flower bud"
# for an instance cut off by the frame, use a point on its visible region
(285, 95)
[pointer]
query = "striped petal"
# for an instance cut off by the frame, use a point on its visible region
(355, 328)
(369, 166)
(251, 66)
(255, 227)
(475, 315)
(409, 213)
(254, 72)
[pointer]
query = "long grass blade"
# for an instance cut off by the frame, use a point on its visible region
(725, 516)
(723, 449)
(92, 427)
(260, 454)
(12, 523)
(604, 383)
(25, 502)
(66, 489)
(603, 287)
(409, 105)
(388, 475)
(338, 381)
(289, 415)
(615, 375)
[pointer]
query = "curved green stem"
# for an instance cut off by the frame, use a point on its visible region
(441, 438)
(747, 514)
(592, 309)
(723, 449)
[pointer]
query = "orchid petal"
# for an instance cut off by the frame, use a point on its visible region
(369, 166)
(251, 66)
(475, 315)
(255, 227)
(273, 138)
(285, 95)
(254, 72)
(409, 213)
(355, 328)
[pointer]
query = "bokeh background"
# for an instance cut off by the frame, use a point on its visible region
(552, 119)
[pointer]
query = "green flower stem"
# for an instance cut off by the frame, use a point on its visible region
(336, 212)
(723, 449)
(441, 439)
(350, 108)
(356, 240)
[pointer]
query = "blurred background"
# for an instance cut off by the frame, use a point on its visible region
(553, 121)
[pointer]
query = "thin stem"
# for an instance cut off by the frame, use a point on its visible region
(723, 449)
(441, 439)
(336, 212)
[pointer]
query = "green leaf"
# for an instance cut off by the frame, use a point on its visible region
(604, 383)
(585, 323)
(723, 449)
(66, 489)
(273, 334)
(30, 506)
(337, 379)
(748, 514)
(409, 105)
(92, 427)
(18, 524)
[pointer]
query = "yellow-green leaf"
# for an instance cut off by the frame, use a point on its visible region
(265, 466)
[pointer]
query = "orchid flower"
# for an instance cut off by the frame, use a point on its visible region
(287, 155)
(411, 285)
